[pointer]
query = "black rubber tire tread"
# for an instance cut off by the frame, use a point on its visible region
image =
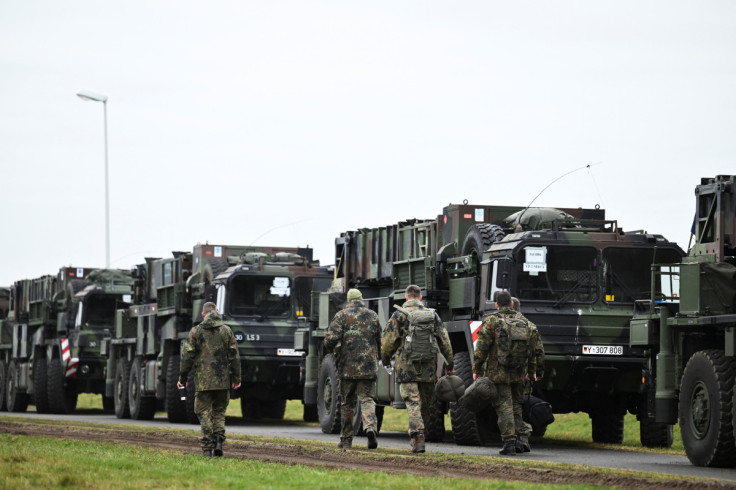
(272, 409)
(712, 370)
(3, 386)
(358, 428)
(62, 400)
(467, 427)
(142, 407)
(176, 410)
(653, 434)
(40, 391)
(479, 237)
(191, 398)
(309, 413)
(379, 418)
(329, 416)
(120, 395)
(213, 268)
(16, 401)
(607, 425)
(434, 428)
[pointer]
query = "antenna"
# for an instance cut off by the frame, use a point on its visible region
(518, 220)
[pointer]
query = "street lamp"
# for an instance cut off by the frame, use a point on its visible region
(86, 95)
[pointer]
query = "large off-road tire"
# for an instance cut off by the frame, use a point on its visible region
(328, 407)
(3, 386)
(191, 398)
(358, 428)
(379, 417)
(706, 414)
(176, 409)
(479, 237)
(309, 413)
(62, 399)
(120, 395)
(16, 400)
(653, 434)
(607, 425)
(40, 391)
(213, 268)
(434, 428)
(468, 428)
(142, 407)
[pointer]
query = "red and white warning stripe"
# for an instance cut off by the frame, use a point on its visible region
(65, 352)
(475, 330)
(71, 368)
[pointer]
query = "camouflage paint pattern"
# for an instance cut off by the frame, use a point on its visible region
(363, 391)
(210, 407)
(392, 343)
(357, 330)
(212, 352)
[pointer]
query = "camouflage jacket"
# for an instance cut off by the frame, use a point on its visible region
(392, 342)
(212, 352)
(486, 349)
(358, 332)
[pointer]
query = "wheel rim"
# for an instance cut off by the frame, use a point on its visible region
(700, 410)
(327, 395)
(119, 388)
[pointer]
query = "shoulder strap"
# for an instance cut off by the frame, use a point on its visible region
(402, 310)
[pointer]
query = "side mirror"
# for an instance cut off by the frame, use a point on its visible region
(505, 268)
(210, 293)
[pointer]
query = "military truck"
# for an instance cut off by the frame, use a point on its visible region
(262, 293)
(577, 275)
(687, 327)
(50, 339)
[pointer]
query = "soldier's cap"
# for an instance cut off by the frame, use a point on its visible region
(354, 294)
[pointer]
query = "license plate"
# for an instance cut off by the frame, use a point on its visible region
(604, 350)
(288, 352)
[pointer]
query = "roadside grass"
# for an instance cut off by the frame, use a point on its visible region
(568, 428)
(33, 462)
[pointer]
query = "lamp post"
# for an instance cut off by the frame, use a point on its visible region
(86, 95)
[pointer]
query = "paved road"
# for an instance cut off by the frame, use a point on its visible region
(605, 458)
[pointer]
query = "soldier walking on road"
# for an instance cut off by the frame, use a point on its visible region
(535, 341)
(505, 341)
(357, 332)
(416, 335)
(212, 352)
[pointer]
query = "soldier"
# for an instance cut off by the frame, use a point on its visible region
(505, 341)
(356, 334)
(416, 378)
(536, 340)
(211, 350)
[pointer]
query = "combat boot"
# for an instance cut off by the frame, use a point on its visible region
(417, 442)
(218, 446)
(345, 443)
(509, 447)
(372, 442)
(522, 444)
(207, 453)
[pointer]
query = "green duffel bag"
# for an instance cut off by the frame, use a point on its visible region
(478, 395)
(449, 388)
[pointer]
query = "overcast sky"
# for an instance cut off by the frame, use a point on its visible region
(286, 123)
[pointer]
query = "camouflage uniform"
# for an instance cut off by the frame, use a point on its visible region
(537, 348)
(510, 384)
(416, 382)
(212, 352)
(357, 330)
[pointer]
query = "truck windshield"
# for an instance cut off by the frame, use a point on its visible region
(560, 274)
(99, 310)
(263, 296)
(627, 272)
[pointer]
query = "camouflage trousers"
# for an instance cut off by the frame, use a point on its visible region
(364, 390)
(508, 407)
(418, 398)
(210, 408)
